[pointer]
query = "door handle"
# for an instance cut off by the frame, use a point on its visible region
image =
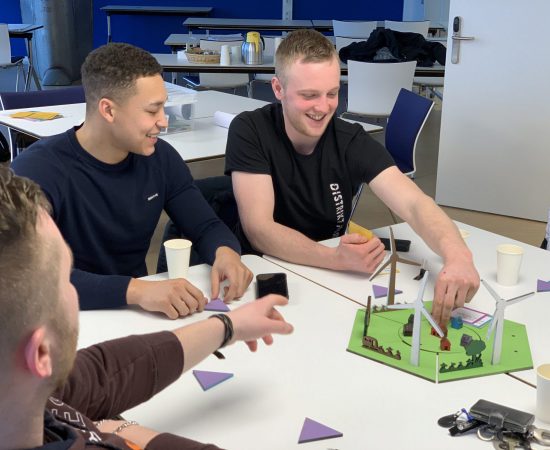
(456, 38)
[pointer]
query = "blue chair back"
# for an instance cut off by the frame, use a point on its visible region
(406, 120)
(62, 96)
(16, 100)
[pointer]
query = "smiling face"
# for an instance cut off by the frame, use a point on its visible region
(309, 97)
(138, 119)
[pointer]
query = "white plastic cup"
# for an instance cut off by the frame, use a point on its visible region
(178, 252)
(543, 393)
(508, 263)
(235, 54)
(225, 56)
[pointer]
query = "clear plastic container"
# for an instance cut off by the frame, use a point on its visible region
(180, 108)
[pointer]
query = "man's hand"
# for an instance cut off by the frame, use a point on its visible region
(228, 266)
(175, 298)
(259, 319)
(456, 284)
(355, 252)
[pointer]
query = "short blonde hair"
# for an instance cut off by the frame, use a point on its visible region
(29, 264)
(302, 45)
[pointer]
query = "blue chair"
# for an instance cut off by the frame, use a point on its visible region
(16, 100)
(407, 118)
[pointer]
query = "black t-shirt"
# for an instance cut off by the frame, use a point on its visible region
(313, 193)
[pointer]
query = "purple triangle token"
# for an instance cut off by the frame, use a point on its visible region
(382, 291)
(216, 304)
(315, 431)
(208, 379)
(543, 286)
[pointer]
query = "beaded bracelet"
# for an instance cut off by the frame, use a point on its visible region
(228, 334)
(127, 424)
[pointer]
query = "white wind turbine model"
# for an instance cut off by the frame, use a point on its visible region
(498, 319)
(419, 310)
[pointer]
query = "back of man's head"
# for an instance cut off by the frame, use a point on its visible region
(302, 45)
(29, 272)
(111, 71)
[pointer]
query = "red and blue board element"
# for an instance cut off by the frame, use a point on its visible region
(543, 286)
(216, 304)
(208, 379)
(315, 431)
(382, 291)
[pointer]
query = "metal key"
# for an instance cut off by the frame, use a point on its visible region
(507, 442)
(540, 435)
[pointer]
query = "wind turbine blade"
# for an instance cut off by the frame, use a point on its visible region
(408, 261)
(519, 298)
(430, 319)
(491, 290)
(392, 242)
(422, 288)
(381, 268)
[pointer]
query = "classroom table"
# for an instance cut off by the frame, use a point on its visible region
(535, 265)
(171, 63)
(205, 140)
(152, 11)
(214, 23)
(306, 374)
(178, 41)
(26, 31)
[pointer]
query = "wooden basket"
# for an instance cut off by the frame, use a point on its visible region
(197, 56)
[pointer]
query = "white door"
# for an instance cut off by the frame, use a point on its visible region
(494, 152)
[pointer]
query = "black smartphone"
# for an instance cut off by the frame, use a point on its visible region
(271, 283)
(402, 245)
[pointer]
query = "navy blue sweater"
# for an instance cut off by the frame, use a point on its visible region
(108, 212)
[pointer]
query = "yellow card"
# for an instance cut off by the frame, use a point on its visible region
(354, 228)
(36, 115)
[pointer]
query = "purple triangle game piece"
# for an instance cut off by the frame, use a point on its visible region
(315, 431)
(382, 291)
(216, 304)
(543, 286)
(208, 379)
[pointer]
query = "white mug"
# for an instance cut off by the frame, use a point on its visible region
(225, 58)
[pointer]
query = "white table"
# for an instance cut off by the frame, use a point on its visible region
(205, 141)
(533, 312)
(171, 63)
(306, 374)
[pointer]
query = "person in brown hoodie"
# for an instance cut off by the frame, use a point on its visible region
(53, 397)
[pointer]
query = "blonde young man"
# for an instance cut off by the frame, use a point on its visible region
(108, 182)
(295, 169)
(52, 397)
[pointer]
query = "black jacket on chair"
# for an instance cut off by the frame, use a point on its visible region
(403, 47)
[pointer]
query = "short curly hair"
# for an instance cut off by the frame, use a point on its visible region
(304, 45)
(110, 71)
